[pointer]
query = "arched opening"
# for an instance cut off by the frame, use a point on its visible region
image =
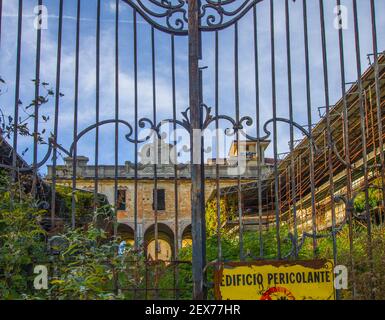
(165, 250)
(126, 233)
(187, 237)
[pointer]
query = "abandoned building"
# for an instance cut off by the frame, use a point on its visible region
(313, 208)
(173, 196)
(329, 182)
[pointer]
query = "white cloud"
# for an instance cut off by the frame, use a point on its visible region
(164, 94)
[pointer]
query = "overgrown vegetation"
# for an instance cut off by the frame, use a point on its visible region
(22, 242)
(89, 268)
(362, 275)
(356, 260)
(84, 204)
(374, 197)
(82, 263)
(228, 209)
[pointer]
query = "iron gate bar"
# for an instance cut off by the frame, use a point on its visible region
(17, 88)
(346, 142)
(56, 120)
(76, 106)
(378, 98)
(156, 156)
(197, 210)
(367, 206)
(291, 116)
(328, 124)
(237, 137)
(116, 156)
(310, 121)
(218, 191)
(36, 106)
(284, 183)
(136, 129)
(175, 167)
(97, 103)
(258, 129)
(136, 143)
(363, 134)
(203, 124)
(162, 20)
(274, 120)
(361, 106)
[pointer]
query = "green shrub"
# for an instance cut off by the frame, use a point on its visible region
(85, 266)
(228, 210)
(22, 243)
(89, 268)
(373, 200)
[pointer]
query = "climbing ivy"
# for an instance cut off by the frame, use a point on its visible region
(228, 210)
(373, 200)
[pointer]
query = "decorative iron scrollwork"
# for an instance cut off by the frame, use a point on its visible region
(217, 15)
(166, 15)
(350, 213)
(305, 132)
(144, 123)
(171, 16)
(208, 119)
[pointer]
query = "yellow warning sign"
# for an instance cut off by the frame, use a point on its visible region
(275, 280)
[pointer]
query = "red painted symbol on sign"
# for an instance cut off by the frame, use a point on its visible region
(277, 293)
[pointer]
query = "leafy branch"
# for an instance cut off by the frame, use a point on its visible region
(9, 126)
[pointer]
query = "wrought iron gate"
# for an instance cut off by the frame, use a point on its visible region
(275, 55)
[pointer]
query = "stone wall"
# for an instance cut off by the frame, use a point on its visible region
(145, 212)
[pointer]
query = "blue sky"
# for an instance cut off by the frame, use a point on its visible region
(163, 67)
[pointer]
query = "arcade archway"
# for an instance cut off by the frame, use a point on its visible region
(187, 237)
(126, 233)
(164, 243)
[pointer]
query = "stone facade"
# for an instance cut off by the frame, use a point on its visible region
(177, 204)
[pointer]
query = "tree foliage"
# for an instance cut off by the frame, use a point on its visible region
(89, 268)
(22, 241)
